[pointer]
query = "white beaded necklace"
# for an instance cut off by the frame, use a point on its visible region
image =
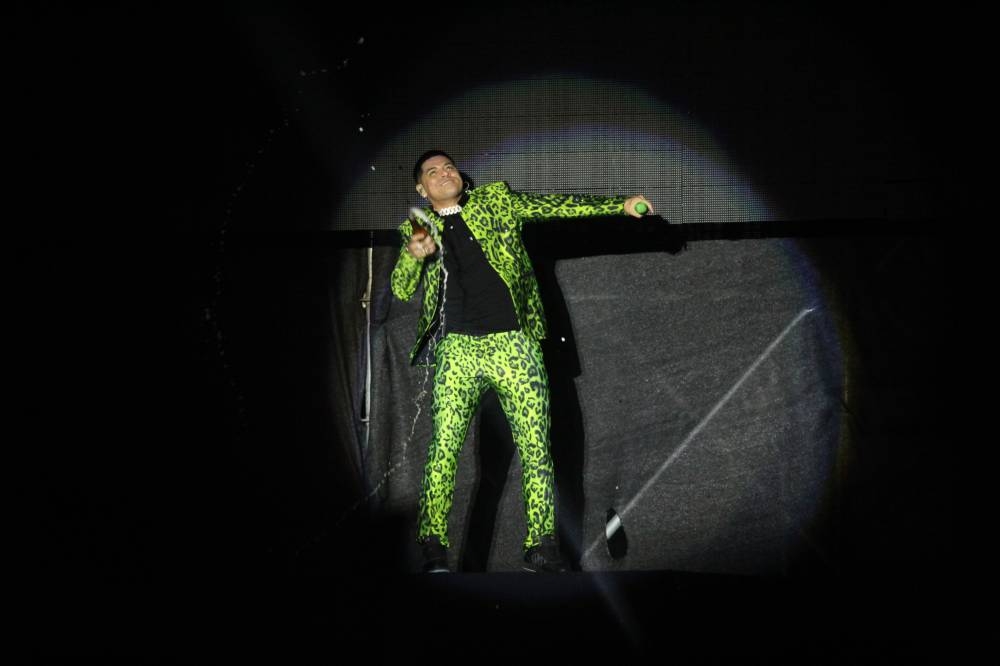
(450, 210)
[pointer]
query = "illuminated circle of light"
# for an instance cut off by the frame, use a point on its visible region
(567, 134)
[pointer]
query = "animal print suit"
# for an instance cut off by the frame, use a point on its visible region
(509, 362)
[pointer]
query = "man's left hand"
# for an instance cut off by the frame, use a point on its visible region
(632, 201)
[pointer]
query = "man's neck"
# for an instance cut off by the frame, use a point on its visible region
(448, 203)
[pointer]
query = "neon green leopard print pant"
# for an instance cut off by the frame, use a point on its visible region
(467, 366)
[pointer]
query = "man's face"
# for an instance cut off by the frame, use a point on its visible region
(439, 180)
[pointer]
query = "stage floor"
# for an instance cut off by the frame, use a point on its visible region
(676, 617)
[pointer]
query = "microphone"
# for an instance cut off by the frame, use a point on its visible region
(423, 224)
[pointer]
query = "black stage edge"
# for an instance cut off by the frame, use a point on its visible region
(649, 234)
(672, 617)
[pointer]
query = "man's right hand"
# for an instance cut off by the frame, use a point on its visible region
(421, 244)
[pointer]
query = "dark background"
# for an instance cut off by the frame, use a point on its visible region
(172, 485)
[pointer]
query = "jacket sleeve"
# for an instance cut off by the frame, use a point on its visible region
(406, 274)
(530, 207)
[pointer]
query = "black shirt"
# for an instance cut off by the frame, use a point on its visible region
(476, 299)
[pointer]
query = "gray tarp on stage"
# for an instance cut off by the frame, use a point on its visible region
(661, 339)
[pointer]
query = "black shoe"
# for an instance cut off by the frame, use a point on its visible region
(545, 557)
(435, 556)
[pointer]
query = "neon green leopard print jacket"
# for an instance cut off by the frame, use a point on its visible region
(495, 215)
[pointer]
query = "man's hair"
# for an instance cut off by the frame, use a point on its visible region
(423, 158)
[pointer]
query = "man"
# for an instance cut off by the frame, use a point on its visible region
(480, 325)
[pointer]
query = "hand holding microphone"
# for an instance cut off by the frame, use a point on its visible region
(421, 243)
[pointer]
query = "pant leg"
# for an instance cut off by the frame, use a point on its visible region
(517, 373)
(458, 386)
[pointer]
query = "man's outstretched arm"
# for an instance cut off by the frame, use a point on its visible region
(530, 206)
